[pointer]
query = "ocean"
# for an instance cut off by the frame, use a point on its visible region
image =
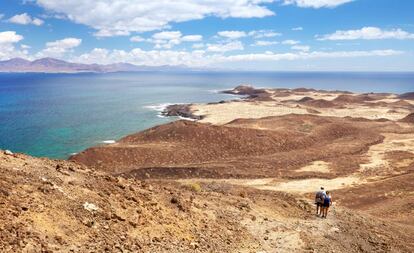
(56, 115)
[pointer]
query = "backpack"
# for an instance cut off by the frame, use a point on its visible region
(320, 196)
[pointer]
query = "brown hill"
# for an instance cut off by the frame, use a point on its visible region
(305, 99)
(361, 98)
(320, 103)
(408, 95)
(243, 148)
(408, 119)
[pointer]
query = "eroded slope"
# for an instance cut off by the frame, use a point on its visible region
(59, 206)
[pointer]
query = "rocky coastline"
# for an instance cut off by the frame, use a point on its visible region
(185, 111)
(180, 110)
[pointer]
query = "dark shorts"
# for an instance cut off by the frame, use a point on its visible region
(325, 205)
(318, 204)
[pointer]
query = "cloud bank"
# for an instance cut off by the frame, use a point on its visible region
(59, 48)
(121, 17)
(368, 33)
(201, 58)
(317, 3)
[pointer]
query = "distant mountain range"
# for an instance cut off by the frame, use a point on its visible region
(52, 65)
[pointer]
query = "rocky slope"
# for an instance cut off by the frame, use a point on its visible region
(59, 206)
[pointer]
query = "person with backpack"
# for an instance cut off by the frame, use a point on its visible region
(327, 202)
(319, 200)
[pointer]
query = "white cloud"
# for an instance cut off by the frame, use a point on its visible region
(317, 3)
(121, 17)
(168, 39)
(110, 33)
(97, 55)
(38, 21)
(257, 34)
(202, 58)
(23, 46)
(7, 47)
(59, 47)
(265, 43)
(25, 19)
(232, 34)
(269, 56)
(225, 47)
(290, 42)
(192, 38)
(136, 39)
(22, 19)
(263, 34)
(198, 45)
(301, 48)
(299, 28)
(142, 57)
(66, 43)
(368, 33)
(10, 37)
(167, 35)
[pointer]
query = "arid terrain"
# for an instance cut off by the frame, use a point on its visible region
(239, 177)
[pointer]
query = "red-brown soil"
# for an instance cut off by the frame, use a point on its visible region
(409, 118)
(266, 147)
(320, 103)
(354, 99)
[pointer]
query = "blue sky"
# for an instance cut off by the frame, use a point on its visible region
(310, 35)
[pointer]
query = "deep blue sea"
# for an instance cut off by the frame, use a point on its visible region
(56, 115)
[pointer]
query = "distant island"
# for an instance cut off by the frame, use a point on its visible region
(52, 65)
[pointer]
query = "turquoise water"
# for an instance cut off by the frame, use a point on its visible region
(55, 115)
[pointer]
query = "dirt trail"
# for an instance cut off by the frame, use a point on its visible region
(292, 186)
(286, 235)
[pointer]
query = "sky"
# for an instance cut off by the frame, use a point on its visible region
(268, 35)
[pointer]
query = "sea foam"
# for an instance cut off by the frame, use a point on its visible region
(185, 118)
(109, 141)
(158, 107)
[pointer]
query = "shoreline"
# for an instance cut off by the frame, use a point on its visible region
(283, 101)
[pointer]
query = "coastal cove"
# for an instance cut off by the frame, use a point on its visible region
(57, 115)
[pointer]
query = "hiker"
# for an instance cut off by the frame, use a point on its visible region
(327, 202)
(319, 197)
